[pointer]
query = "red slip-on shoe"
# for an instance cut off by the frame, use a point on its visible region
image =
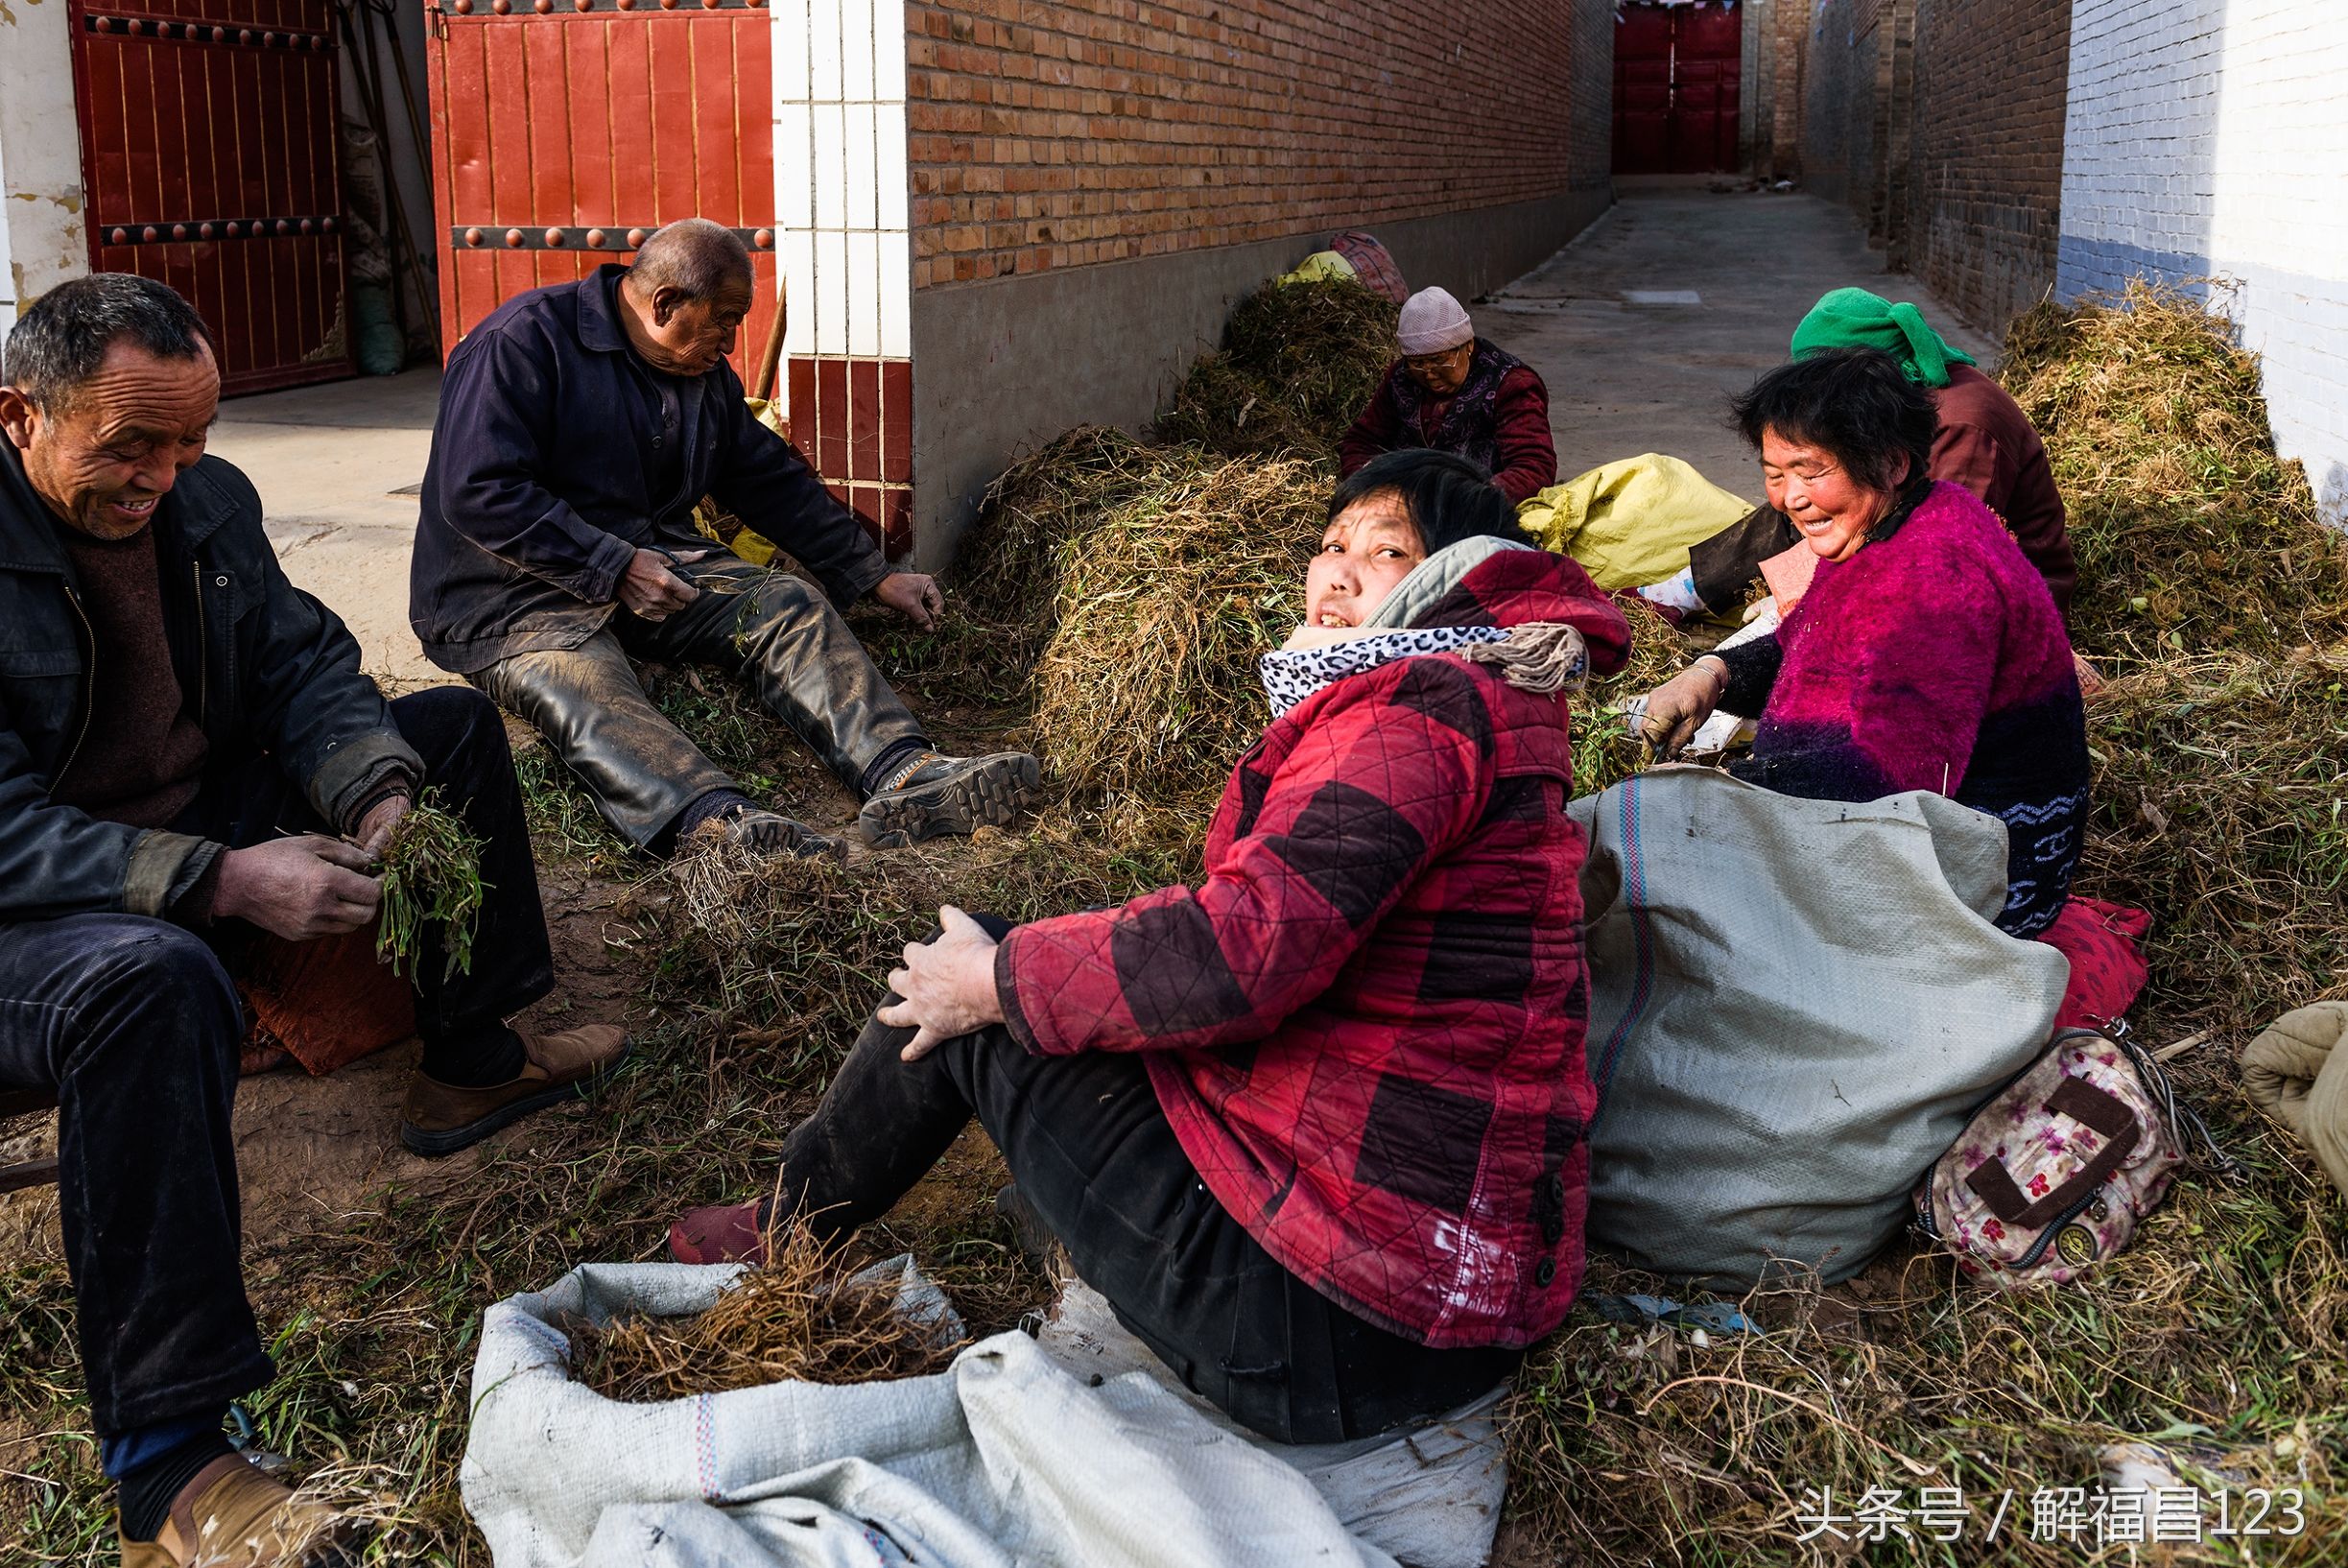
(725, 1233)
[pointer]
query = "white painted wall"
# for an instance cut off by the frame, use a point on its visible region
(2209, 138)
(40, 155)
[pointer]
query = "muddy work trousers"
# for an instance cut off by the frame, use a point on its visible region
(776, 632)
(1095, 1157)
(136, 1025)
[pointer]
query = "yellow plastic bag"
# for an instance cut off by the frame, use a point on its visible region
(1321, 267)
(1630, 523)
(711, 524)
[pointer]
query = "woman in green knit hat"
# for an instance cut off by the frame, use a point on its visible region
(1985, 445)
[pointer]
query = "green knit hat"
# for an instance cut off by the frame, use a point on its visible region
(1854, 319)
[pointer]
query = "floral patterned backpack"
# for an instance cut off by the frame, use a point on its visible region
(2052, 1175)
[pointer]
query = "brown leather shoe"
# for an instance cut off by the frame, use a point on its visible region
(441, 1118)
(232, 1516)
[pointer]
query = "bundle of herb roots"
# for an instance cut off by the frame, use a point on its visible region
(798, 1319)
(431, 878)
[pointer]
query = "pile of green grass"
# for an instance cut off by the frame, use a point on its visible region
(1298, 363)
(2218, 602)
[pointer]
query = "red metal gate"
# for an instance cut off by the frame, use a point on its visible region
(208, 160)
(564, 132)
(1676, 89)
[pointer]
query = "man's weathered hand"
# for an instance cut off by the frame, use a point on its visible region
(375, 835)
(948, 986)
(1677, 709)
(913, 595)
(651, 591)
(301, 889)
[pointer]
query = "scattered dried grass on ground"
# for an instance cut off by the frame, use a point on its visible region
(1298, 363)
(801, 1317)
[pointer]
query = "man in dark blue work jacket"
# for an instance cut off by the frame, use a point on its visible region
(579, 425)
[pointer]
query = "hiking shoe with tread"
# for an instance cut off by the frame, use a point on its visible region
(936, 795)
(441, 1118)
(765, 832)
(230, 1516)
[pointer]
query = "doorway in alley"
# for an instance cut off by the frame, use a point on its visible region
(1675, 86)
(209, 162)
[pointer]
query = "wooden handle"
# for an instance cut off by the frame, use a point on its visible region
(762, 384)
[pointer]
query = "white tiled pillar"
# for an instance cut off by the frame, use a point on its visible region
(840, 201)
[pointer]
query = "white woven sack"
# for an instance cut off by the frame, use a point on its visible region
(1795, 1006)
(1002, 1460)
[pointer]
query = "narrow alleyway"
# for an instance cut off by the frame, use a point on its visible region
(1672, 301)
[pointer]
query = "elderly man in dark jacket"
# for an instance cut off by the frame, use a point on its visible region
(579, 425)
(190, 756)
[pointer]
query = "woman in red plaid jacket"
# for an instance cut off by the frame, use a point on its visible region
(1315, 1128)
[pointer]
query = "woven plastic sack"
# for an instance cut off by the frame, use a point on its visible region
(1630, 522)
(2050, 1177)
(1795, 1006)
(1003, 1460)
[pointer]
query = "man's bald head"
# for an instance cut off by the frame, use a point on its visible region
(686, 295)
(697, 258)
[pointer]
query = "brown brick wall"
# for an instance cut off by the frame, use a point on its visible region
(1838, 111)
(1790, 32)
(1047, 136)
(1985, 180)
(1940, 123)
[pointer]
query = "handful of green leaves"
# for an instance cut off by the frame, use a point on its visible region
(431, 875)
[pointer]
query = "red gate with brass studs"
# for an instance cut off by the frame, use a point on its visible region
(209, 163)
(564, 132)
(1676, 88)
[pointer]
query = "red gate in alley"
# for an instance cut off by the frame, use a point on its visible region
(1676, 71)
(563, 131)
(208, 162)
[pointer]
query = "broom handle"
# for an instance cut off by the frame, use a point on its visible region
(762, 385)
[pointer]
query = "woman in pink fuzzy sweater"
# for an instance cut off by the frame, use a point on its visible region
(1928, 654)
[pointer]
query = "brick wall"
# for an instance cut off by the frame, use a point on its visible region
(1788, 95)
(1838, 85)
(1047, 136)
(1591, 64)
(1985, 172)
(1940, 123)
(2207, 138)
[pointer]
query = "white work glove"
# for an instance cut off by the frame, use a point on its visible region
(1677, 709)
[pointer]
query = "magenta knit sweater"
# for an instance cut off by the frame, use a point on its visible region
(1932, 660)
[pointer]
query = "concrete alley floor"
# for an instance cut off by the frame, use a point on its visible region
(329, 461)
(1678, 298)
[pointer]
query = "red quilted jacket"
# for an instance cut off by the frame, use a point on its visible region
(1366, 1027)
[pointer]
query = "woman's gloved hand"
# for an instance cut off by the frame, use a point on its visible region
(1677, 709)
